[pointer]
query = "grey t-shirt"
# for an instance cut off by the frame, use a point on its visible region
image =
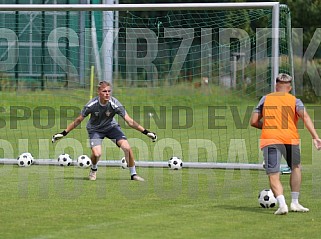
(102, 116)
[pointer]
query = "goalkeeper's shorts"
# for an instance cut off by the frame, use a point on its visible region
(114, 134)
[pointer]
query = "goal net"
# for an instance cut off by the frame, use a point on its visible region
(192, 73)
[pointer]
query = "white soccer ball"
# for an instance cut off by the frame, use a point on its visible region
(84, 161)
(175, 163)
(31, 157)
(64, 160)
(123, 163)
(266, 198)
(25, 160)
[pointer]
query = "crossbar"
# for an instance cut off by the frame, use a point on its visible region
(136, 7)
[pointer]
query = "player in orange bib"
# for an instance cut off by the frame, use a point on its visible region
(277, 116)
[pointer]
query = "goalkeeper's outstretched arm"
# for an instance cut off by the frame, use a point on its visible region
(133, 124)
(69, 128)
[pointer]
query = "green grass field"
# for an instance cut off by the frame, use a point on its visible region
(59, 202)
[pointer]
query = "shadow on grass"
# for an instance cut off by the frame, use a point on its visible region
(247, 209)
(85, 178)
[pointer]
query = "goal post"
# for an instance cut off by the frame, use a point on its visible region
(191, 72)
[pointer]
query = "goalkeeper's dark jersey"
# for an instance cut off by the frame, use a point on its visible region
(102, 116)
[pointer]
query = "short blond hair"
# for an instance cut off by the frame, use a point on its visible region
(283, 78)
(104, 83)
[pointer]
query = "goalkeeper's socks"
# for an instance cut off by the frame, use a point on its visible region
(132, 170)
(94, 167)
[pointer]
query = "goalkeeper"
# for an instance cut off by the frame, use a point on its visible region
(102, 124)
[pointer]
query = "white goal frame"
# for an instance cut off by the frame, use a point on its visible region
(274, 6)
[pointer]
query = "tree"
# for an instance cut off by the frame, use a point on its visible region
(305, 14)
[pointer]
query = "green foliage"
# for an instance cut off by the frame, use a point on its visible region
(307, 80)
(306, 15)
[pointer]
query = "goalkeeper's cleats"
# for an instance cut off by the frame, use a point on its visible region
(137, 178)
(151, 135)
(296, 207)
(282, 210)
(92, 175)
(58, 136)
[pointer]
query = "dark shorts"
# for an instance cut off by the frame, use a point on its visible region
(273, 154)
(114, 134)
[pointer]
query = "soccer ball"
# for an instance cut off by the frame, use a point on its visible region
(84, 161)
(123, 163)
(266, 198)
(25, 160)
(64, 160)
(175, 163)
(31, 157)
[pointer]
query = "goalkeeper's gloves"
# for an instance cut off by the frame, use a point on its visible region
(151, 135)
(58, 136)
